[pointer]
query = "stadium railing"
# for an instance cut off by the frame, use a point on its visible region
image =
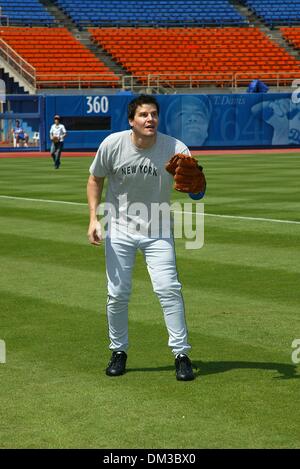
(171, 80)
(78, 81)
(277, 79)
(23, 68)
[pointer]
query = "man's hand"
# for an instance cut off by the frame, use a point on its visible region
(94, 233)
(94, 191)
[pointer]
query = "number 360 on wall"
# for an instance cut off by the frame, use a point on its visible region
(97, 104)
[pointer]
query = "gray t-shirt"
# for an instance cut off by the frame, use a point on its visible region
(136, 175)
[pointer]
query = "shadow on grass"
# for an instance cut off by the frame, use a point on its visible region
(209, 368)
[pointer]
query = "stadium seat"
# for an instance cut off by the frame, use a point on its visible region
(151, 12)
(27, 13)
(208, 52)
(292, 35)
(274, 12)
(74, 62)
(36, 138)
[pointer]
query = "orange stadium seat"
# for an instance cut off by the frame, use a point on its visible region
(214, 53)
(74, 61)
(292, 35)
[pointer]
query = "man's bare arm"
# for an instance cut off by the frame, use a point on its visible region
(94, 194)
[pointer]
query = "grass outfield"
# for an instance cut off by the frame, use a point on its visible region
(241, 293)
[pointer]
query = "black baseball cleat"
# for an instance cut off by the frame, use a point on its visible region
(184, 369)
(117, 364)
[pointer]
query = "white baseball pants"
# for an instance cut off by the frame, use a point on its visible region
(161, 264)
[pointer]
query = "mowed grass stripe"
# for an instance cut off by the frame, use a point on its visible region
(250, 276)
(221, 187)
(186, 210)
(65, 253)
(253, 186)
(42, 181)
(221, 312)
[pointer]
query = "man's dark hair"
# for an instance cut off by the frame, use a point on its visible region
(139, 101)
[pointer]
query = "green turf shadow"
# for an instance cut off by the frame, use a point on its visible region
(215, 367)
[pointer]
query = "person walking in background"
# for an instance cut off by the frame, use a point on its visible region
(57, 136)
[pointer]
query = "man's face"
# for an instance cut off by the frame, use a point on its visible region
(145, 121)
(56, 121)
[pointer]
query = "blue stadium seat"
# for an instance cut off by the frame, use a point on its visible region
(276, 12)
(151, 12)
(27, 13)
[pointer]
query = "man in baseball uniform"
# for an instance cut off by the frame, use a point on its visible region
(57, 136)
(134, 162)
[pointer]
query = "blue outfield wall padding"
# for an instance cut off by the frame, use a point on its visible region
(200, 121)
(86, 109)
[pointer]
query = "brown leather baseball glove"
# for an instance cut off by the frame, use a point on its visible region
(55, 139)
(188, 175)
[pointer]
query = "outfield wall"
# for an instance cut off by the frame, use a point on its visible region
(209, 121)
